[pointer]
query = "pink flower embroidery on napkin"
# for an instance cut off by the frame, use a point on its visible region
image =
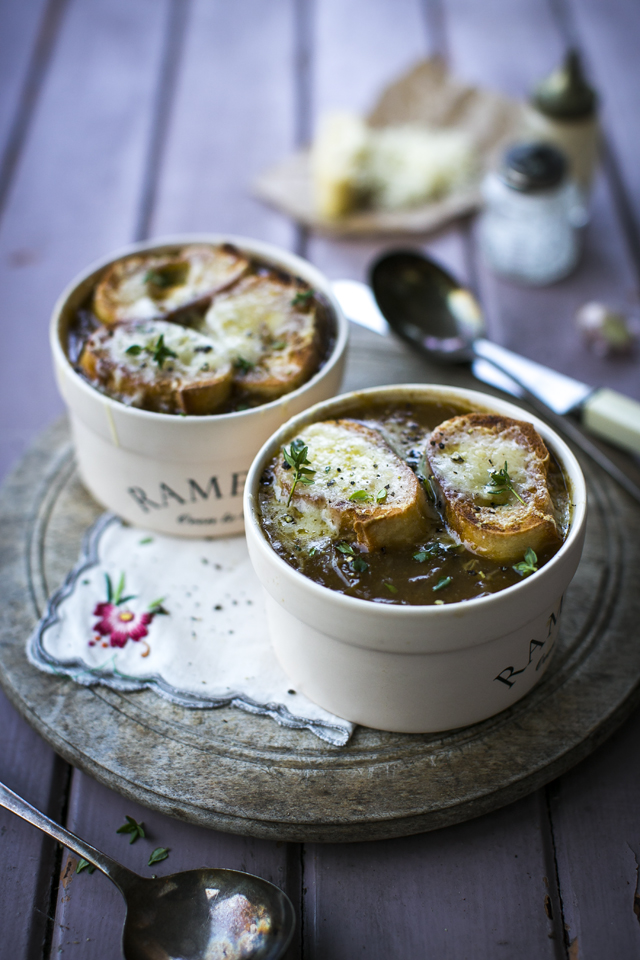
(120, 624)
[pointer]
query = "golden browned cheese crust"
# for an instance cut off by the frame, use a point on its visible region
(270, 323)
(349, 457)
(463, 453)
(159, 286)
(178, 374)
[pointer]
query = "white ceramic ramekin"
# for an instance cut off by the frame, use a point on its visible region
(173, 474)
(414, 669)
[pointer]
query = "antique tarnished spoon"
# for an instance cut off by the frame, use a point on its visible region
(195, 915)
(427, 307)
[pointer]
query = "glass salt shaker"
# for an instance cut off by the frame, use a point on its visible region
(529, 230)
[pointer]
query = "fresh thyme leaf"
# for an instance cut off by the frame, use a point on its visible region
(161, 352)
(327, 469)
(361, 496)
(159, 854)
(278, 344)
(359, 565)
(429, 551)
(381, 496)
(313, 551)
(501, 485)
(84, 865)
(241, 364)
(390, 587)
(133, 827)
(346, 548)
(135, 349)
(302, 298)
(528, 565)
(441, 584)
(145, 540)
(296, 457)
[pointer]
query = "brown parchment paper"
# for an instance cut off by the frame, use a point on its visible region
(426, 94)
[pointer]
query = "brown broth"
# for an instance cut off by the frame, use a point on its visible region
(444, 571)
(84, 322)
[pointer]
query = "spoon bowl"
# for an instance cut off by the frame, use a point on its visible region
(426, 306)
(201, 914)
(206, 913)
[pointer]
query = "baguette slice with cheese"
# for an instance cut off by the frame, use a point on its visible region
(156, 286)
(351, 460)
(463, 454)
(159, 366)
(267, 326)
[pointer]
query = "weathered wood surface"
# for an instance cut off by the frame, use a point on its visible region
(150, 116)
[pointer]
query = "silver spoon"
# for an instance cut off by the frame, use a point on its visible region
(426, 306)
(194, 915)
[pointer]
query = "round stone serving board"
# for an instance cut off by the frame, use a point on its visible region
(234, 772)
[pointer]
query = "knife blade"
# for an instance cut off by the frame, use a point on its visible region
(605, 413)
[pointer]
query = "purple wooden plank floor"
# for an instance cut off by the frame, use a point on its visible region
(120, 119)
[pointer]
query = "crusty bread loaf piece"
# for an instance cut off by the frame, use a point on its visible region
(268, 327)
(156, 286)
(352, 460)
(463, 453)
(158, 365)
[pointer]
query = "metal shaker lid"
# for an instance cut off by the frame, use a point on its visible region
(565, 93)
(529, 167)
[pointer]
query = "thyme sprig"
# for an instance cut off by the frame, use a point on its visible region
(133, 827)
(528, 565)
(296, 457)
(159, 352)
(501, 484)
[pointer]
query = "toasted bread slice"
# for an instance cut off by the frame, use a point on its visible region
(489, 517)
(350, 461)
(267, 325)
(148, 287)
(159, 366)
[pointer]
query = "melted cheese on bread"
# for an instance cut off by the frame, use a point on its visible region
(149, 286)
(463, 453)
(158, 365)
(267, 327)
(352, 460)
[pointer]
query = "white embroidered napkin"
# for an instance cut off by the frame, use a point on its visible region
(185, 618)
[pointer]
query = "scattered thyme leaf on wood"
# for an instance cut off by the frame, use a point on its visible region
(133, 827)
(500, 484)
(528, 565)
(296, 457)
(84, 865)
(159, 854)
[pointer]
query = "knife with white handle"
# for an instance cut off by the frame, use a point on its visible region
(605, 413)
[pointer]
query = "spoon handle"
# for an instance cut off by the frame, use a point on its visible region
(564, 425)
(121, 876)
